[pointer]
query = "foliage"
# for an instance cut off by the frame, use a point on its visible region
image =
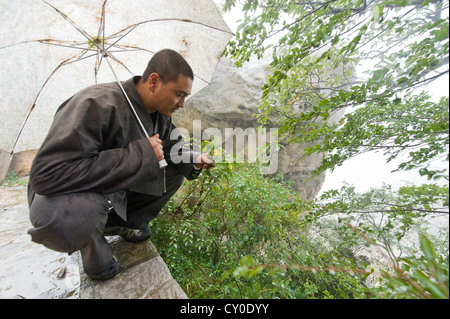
(13, 180)
(318, 45)
(413, 124)
(234, 217)
(418, 277)
(234, 233)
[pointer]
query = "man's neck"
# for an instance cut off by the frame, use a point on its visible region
(142, 88)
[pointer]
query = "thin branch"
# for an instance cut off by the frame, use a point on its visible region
(398, 211)
(314, 269)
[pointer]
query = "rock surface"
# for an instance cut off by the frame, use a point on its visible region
(143, 275)
(31, 271)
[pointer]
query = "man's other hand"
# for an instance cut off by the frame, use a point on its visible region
(203, 161)
(157, 146)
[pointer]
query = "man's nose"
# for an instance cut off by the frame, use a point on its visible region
(181, 103)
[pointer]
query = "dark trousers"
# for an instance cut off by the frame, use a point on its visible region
(72, 222)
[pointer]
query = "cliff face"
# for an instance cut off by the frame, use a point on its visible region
(231, 101)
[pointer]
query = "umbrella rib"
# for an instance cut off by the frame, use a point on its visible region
(202, 79)
(120, 38)
(82, 58)
(118, 61)
(104, 22)
(97, 65)
(169, 20)
(75, 46)
(49, 41)
(65, 62)
(125, 48)
(102, 27)
(79, 29)
(130, 50)
(36, 98)
(101, 33)
(130, 28)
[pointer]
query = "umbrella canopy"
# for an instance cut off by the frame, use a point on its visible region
(51, 49)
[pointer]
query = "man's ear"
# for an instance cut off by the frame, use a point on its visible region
(153, 81)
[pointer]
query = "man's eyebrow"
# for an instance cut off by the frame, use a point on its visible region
(183, 92)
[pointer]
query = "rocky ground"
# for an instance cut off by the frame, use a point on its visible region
(29, 270)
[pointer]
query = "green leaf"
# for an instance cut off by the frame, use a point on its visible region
(241, 271)
(255, 271)
(427, 248)
(376, 12)
(402, 80)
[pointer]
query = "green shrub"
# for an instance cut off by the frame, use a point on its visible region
(234, 233)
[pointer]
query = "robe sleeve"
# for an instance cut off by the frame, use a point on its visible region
(72, 158)
(174, 144)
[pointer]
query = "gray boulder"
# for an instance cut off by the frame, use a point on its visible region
(231, 101)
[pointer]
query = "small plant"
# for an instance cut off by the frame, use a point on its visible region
(234, 217)
(234, 233)
(13, 179)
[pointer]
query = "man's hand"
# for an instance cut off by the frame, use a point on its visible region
(157, 146)
(203, 162)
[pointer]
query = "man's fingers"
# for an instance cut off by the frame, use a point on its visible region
(157, 146)
(203, 161)
(156, 139)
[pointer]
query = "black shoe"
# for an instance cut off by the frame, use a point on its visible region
(110, 271)
(132, 235)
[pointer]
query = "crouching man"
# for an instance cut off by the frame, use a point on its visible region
(95, 174)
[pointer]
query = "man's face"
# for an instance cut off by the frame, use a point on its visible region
(170, 96)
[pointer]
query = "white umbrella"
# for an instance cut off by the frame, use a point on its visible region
(50, 49)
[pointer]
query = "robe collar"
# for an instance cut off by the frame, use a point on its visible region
(141, 110)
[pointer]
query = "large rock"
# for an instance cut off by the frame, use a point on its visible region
(143, 275)
(231, 101)
(21, 163)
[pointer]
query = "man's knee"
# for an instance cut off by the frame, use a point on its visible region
(67, 223)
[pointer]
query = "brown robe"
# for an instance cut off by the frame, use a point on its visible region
(96, 145)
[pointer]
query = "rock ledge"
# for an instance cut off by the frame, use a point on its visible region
(143, 275)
